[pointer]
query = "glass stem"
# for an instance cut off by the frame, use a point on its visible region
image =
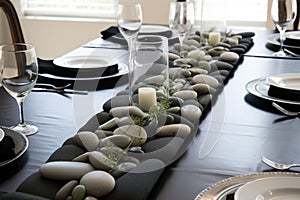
(131, 47)
(281, 37)
(181, 40)
(21, 112)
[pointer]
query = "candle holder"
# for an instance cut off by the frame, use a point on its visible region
(213, 21)
(151, 66)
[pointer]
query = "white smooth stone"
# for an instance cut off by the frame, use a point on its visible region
(137, 133)
(88, 140)
(65, 170)
(146, 98)
(206, 79)
(191, 112)
(82, 158)
(98, 183)
(124, 111)
(66, 190)
(179, 130)
(186, 94)
(121, 141)
(229, 56)
(100, 161)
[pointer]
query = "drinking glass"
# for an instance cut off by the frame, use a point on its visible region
(129, 23)
(19, 74)
(181, 19)
(283, 14)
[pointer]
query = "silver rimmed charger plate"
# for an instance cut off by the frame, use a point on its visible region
(260, 87)
(222, 189)
(274, 39)
(21, 144)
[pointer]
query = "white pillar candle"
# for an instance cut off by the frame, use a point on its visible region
(214, 38)
(147, 98)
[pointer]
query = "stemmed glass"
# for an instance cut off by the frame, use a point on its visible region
(19, 74)
(129, 23)
(181, 19)
(283, 14)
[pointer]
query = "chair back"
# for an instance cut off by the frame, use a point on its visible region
(13, 21)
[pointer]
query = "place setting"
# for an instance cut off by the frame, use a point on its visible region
(285, 43)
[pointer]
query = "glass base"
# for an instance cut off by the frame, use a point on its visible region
(26, 129)
(280, 53)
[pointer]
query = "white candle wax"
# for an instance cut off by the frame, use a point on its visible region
(147, 98)
(214, 38)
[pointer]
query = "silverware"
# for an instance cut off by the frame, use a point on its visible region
(284, 111)
(291, 53)
(52, 86)
(66, 91)
(276, 165)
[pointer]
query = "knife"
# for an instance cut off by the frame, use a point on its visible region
(66, 91)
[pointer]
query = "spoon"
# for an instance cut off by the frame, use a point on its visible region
(284, 111)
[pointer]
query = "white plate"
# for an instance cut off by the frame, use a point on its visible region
(148, 29)
(21, 144)
(285, 81)
(2, 134)
(294, 35)
(84, 62)
(275, 188)
(260, 87)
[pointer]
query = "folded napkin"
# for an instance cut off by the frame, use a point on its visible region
(7, 146)
(285, 94)
(113, 34)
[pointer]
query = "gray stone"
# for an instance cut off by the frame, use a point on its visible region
(121, 141)
(186, 94)
(101, 161)
(110, 124)
(205, 99)
(206, 79)
(178, 130)
(191, 112)
(98, 183)
(66, 190)
(135, 132)
(65, 170)
(78, 192)
(87, 139)
(201, 88)
(126, 111)
(82, 158)
(229, 56)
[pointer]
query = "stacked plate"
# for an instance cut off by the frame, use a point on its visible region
(284, 88)
(291, 42)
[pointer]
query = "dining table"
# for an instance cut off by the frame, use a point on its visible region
(234, 132)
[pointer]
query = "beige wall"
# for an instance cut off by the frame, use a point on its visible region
(53, 38)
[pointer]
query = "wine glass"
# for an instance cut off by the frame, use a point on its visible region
(129, 23)
(283, 14)
(181, 19)
(19, 74)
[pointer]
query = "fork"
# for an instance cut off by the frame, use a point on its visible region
(284, 111)
(53, 86)
(276, 165)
